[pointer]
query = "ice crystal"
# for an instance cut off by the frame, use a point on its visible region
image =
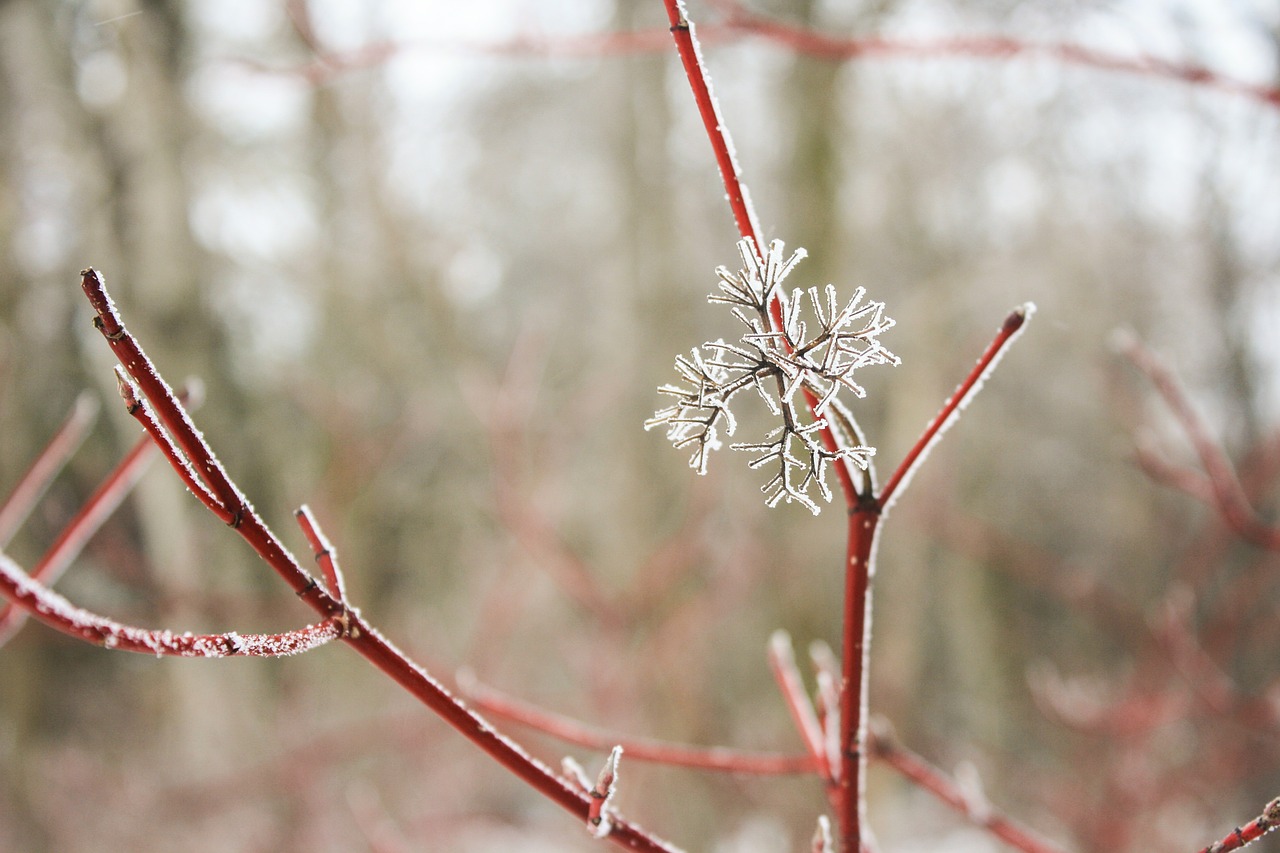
(810, 344)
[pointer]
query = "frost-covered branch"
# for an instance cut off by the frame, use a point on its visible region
(804, 344)
(1250, 832)
(1008, 332)
(47, 606)
(150, 399)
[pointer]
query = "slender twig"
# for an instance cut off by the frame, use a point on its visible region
(782, 662)
(1007, 333)
(942, 786)
(738, 23)
(359, 634)
(569, 730)
(682, 30)
(326, 555)
(95, 511)
(1250, 832)
(50, 608)
(1228, 496)
(27, 493)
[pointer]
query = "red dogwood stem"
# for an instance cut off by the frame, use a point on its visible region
(224, 498)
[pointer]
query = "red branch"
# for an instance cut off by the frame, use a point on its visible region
(96, 510)
(564, 728)
(55, 611)
(782, 661)
(1250, 832)
(955, 404)
(15, 509)
(738, 22)
(221, 496)
(682, 30)
(1225, 494)
(933, 780)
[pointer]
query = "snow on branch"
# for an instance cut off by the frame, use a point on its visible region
(55, 611)
(813, 344)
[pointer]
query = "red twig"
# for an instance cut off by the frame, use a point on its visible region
(1227, 495)
(782, 662)
(96, 510)
(564, 728)
(864, 522)
(25, 495)
(55, 611)
(1250, 832)
(738, 22)
(942, 786)
(223, 498)
(960, 398)
(682, 30)
(326, 555)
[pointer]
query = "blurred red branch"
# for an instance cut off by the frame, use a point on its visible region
(27, 493)
(737, 22)
(1220, 485)
(569, 730)
(91, 515)
(973, 806)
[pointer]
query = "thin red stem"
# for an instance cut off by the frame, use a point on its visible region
(933, 780)
(326, 555)
(1228, 495)
(50, 608)
(26, 494)
(95, 511)
(682, 30)
(498, 704)
(740, 22)
(357, 633)
(1007, 333)
(782, 662)
(1250, 832)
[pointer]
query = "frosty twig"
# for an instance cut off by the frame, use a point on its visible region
(1250, 832)
(53, 610)
(192, 457)
(780, 356)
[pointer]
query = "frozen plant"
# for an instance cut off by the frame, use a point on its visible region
(815, 358)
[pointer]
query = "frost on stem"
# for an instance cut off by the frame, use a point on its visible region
(822, 840)
(600, 813)
(812, 343)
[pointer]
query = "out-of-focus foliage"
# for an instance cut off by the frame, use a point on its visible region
(432, 296)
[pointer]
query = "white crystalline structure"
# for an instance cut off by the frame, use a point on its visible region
(800, 343)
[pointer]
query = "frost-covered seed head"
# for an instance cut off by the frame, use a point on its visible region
(808, 348)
